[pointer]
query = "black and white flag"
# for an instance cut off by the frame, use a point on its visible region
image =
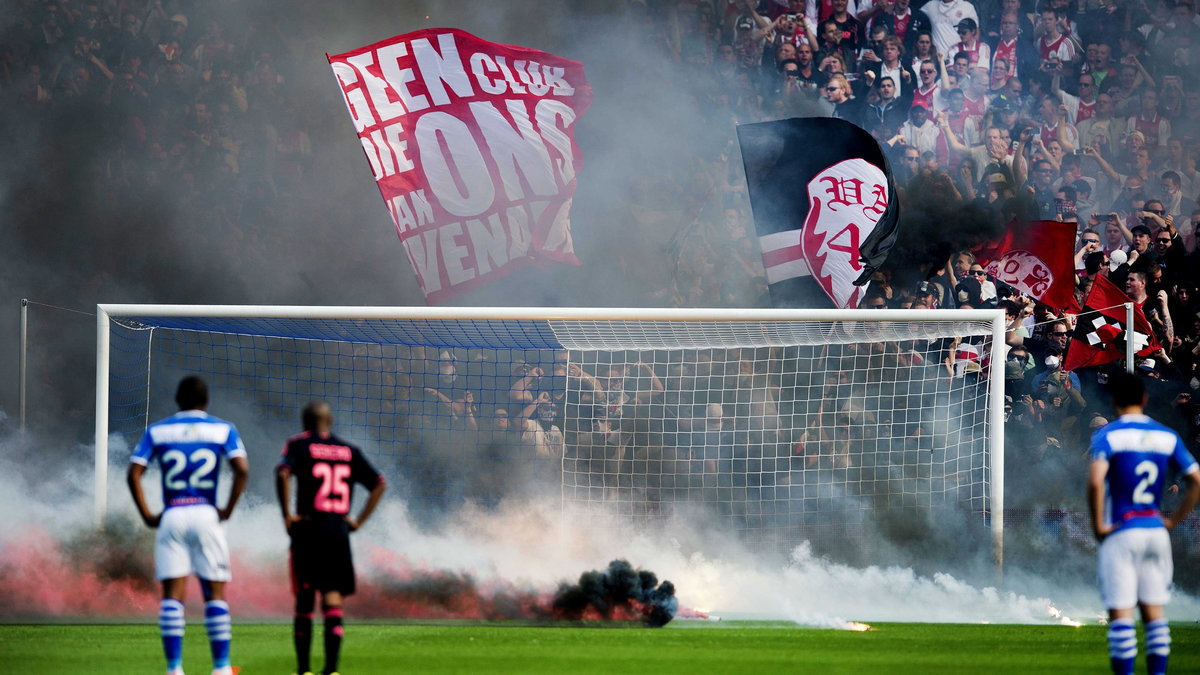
(824, 207)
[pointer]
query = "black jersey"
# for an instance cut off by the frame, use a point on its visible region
(326, 469)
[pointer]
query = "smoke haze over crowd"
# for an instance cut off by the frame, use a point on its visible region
(92, 217)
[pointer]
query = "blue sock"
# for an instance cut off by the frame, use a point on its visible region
(1122, 646)
(1158, 646)
(220, 631)
(170, 624)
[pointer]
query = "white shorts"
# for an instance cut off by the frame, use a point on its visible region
(191, 540)
(1136, 567)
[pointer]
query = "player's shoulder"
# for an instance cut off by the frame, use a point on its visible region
(301, 437)
(338, 441)
(334, 439)
(181, 417)
(1143, 422)
(193, 417)
(213, 419)
(1136, 433)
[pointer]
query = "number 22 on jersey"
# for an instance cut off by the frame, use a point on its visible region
(334, 494)
(200, 476)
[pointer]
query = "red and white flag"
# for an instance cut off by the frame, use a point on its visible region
(1100, 333)
(1038, 260)
(471, 144)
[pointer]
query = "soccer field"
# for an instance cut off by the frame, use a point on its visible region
(696, 648)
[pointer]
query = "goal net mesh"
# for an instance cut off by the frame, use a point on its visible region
(785, 430)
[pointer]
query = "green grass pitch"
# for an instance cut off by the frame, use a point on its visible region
(695, 648)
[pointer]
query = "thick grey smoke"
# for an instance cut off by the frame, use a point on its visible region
(93, 216)
(88, 221)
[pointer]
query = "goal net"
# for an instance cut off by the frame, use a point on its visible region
(786, 425)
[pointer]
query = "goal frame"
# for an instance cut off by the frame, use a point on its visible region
(995, 413)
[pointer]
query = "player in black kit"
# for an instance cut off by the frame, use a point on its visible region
(326, 469)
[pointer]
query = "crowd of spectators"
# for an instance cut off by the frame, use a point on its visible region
(161, 118)
(1083, 111)
(780, 440)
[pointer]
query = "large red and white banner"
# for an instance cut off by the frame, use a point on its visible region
(1038, 260)
(471, 144)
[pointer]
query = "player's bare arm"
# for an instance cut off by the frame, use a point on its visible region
(1095, 498)
(241, 475)
(369, 507)
(1190, 497)
(283, 490)
(134, 479)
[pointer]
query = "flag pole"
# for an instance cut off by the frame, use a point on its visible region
(1129, 333)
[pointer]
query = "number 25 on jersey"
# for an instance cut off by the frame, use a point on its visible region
(334, 494)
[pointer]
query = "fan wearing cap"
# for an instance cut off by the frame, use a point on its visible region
(999, 190)
(926, 295)
(1141, 252)
(748, 34)
(1052, 381)
(924, 135)
(978, 52)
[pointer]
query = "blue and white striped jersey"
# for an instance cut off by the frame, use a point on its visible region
(1139, 452)
(189, 446)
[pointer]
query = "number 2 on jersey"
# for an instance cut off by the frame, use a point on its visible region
(1149, 472)
(334, 494)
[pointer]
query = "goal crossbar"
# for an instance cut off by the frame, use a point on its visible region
(559, 328)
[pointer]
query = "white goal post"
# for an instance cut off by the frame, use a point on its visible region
(787, 424)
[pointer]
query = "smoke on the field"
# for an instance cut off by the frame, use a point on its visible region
(504, 562)
(69, 244)
(618, 592)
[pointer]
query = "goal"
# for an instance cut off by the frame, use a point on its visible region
(786, 425)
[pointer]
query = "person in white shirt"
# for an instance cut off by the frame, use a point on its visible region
(1054, 45)
(920, 133)
(945, 16)
(978, 53)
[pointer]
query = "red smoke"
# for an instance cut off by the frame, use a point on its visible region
(111, 574)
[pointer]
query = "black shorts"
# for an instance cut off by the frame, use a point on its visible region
(321, 557)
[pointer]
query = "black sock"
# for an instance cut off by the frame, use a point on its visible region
(333, 638)
(302, 638)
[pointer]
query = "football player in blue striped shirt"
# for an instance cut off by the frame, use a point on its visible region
(1131, 458)
(188, 448)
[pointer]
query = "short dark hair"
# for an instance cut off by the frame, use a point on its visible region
(192, 393)
(1126, 389)
(313, 413)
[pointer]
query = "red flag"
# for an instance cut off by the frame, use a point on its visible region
(470, 143)
(1038, 260)
(1099, 335)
